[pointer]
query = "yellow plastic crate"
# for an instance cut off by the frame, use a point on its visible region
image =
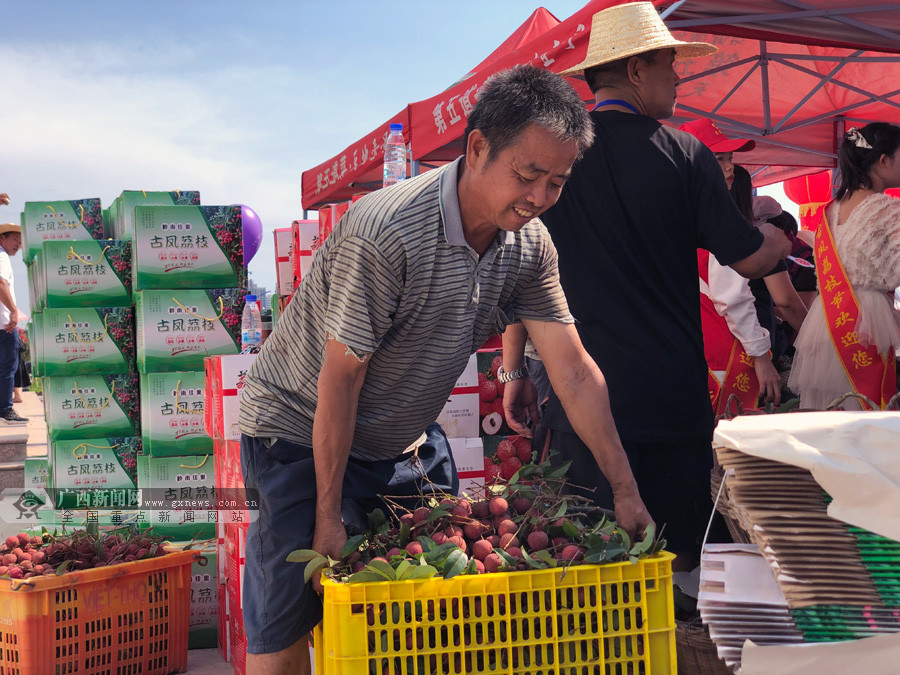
(613, 619)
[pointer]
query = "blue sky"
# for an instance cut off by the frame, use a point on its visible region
(234, 99)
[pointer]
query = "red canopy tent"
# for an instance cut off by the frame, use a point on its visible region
(789, 73)
(358, 168)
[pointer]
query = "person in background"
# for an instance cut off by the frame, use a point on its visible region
(803, 276)
(22, 379)
(4, 198)
(627, 228)
(737, 348)
(850, 338)
(413, 279)
(10, 244)
(776, 299)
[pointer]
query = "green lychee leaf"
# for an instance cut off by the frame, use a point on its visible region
(419, 572)
(437, 513)
(545, 556)
(404, 537)
(507, 559)
(438, 555)
(382, 568)
(557, 471)
(642, 546)
(561, 511)
(402, 567)
(314, 567)
(471, 568)
(569, 529)
(378, 522)
(455, 563)
(352, 544)
(364, 576)
(303, 555)
(534, 563)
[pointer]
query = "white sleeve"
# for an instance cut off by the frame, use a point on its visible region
(733, 299)
(6, 270)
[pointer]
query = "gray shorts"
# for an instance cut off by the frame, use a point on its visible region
(278, 607)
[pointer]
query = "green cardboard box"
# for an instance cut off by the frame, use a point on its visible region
(188, 247)
(74, 220)
(177, 329)
(122, 208)
(94, 473)
(95, 340)
(85, 273)
(92, 406)
(180, 497)
(172, 406)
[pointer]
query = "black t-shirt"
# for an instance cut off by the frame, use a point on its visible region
(627, 225)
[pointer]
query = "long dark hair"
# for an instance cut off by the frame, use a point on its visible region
(856, 162)
(742, 191)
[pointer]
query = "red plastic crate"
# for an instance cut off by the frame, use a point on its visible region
(129, 618)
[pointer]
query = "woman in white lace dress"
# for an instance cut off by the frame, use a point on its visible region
(865, 226)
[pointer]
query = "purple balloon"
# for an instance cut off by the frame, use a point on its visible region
(252, 232)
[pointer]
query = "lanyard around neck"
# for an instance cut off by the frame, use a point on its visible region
(617, 101)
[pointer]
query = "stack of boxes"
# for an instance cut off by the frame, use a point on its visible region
(125, 406)
(190, 283)
(83, 347)
(224, 381)
(295, 248)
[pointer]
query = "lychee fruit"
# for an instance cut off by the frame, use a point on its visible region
(538, 540)
(498, 506)
(481, 549)
(571, 553)
(508, 539)
(492, 563)
(414, 548)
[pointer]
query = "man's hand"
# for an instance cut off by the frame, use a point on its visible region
(4, 198)
(769, 379)
(12, 325)
(328, 539)
(520, 403)
(631, 514)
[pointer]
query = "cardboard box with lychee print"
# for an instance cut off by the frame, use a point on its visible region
(284, 268)
(468, 454)
(460, 418)
(491, 419)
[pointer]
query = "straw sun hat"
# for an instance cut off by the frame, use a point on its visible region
(633, 28)
(6, 228)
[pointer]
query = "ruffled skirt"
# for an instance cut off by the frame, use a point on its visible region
(817, 375)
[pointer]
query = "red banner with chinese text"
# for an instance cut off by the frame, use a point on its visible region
(739, 379)
(871, 373)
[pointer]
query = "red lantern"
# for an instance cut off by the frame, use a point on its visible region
(811, 193)
(893, 192)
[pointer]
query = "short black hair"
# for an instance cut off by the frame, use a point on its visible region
(514, 99)
(614, 72)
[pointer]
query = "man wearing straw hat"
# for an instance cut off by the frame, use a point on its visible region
(635, 209)
(10, 243)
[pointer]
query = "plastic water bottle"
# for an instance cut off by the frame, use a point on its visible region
(394, 156)
(251, 326)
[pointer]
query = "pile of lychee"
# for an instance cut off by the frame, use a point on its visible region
(22, 557)
(497, 535)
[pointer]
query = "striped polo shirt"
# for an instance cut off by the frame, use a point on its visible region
(396, 280)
